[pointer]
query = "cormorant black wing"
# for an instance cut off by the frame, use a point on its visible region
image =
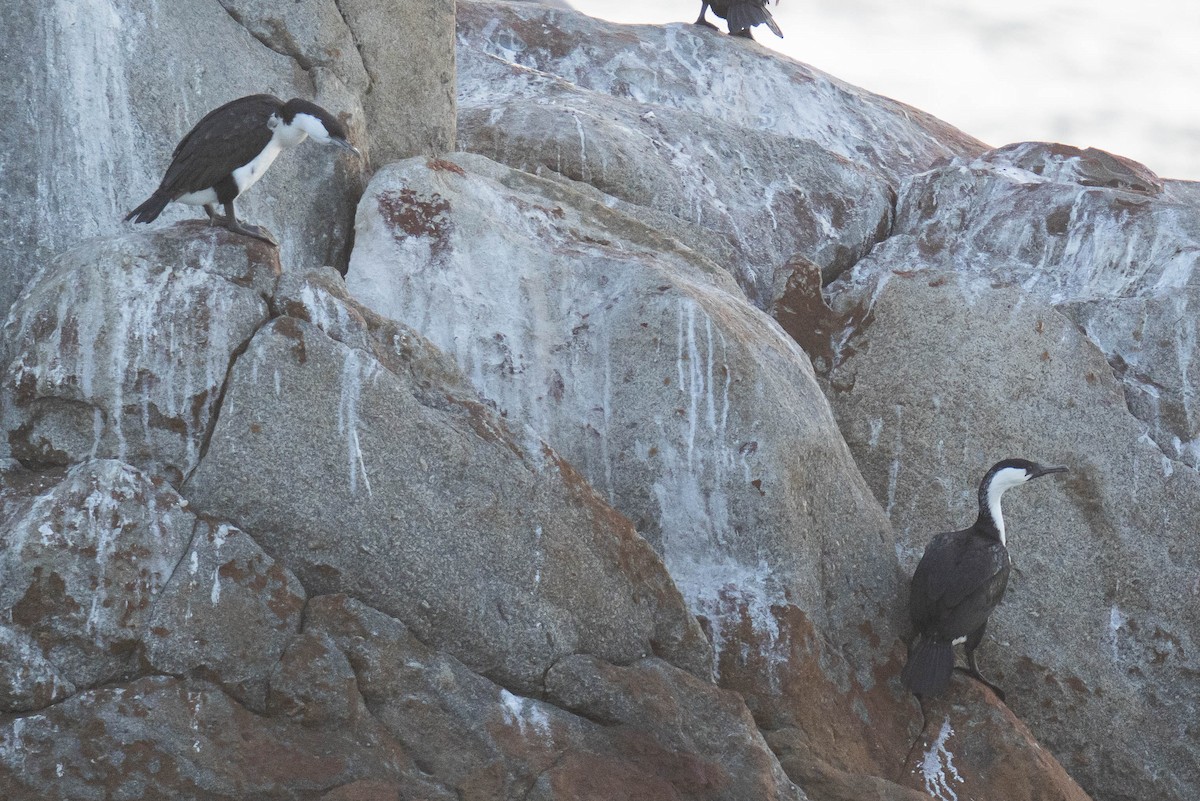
(960, 579)
(227, 138)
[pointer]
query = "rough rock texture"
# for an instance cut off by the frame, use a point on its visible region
(1092, 630)
(163, 737)
(647, 730)
(726, 166)
(1101, 238)
(406, 48)
(111, 86)
(591, 526)
(122, 347)
(496, 552)
(81, 567)
(648, 370)
(228, 611)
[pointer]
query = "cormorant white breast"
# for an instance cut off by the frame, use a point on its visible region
(231, 148)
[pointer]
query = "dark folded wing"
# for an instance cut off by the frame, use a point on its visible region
(227, 138)
(959, 581)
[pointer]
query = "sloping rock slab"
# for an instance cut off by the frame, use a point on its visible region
(766, 195)
(684, 404)
(120, 350)
(370, 482)
(1092, 634)
(683, 67)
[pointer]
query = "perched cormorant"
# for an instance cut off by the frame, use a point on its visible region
(741, 16)
(231, 148)
(958, 583)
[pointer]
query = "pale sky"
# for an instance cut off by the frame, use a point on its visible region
(1121, 75)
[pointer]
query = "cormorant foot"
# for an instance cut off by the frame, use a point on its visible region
(253, 231)
(704, 23)
(744, 33)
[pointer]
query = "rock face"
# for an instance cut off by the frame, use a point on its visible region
(480, 549)
(121, 351)
(669, 121)
(1092, 628)
(112, 86)
(81, 568)
(543, 503)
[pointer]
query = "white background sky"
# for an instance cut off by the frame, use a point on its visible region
(1122, 75)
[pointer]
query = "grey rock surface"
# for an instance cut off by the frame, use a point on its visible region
(227, 613)
(121, 348)
(111, 88)
(947, 377)
(687, 407)
(81, 567)
(168, 738)
(647, 730)
(482, 548)
(683, 67)
(1101, 238)
(407, 50)
(758, 195)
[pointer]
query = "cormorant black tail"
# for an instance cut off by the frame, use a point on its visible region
(929, 667)
(744, 15)
(150, 209)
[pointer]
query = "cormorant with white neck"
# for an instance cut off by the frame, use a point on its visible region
(740, 15)
(231, 148)
(958, 583)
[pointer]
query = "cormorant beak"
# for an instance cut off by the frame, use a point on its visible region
(1044, 470)
(344, 145)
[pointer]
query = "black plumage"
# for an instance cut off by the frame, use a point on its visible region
(228, 150)
(740, 16)
(961, 578)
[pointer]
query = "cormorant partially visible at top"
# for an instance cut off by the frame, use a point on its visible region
(958, 583)
(741, 15)
(231, 148)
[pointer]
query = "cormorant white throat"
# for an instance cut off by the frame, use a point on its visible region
(958, 583)
(231, 148)
(741, 16)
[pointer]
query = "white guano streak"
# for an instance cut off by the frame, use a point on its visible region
(352, 376)
(935, 764)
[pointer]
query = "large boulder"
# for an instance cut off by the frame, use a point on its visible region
(1101, 238)
(121, 347)
(690, 410)
(619, 108)
(488, 546)
(947, 376)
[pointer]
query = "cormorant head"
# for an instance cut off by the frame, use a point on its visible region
(1005, 475)
(312, 120)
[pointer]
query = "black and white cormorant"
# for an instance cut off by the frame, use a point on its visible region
(958, 583)
(741, 16)
(231, 148)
